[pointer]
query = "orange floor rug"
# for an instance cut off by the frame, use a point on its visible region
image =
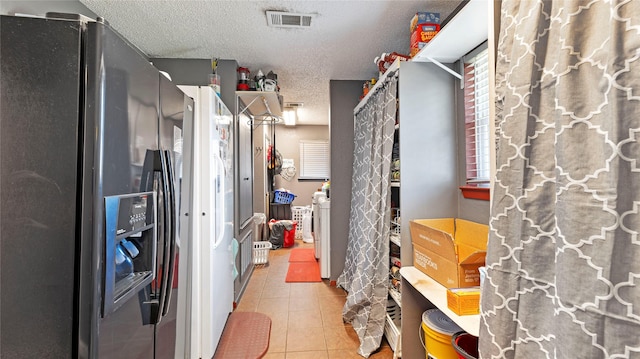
(302, 255)
(303, 272)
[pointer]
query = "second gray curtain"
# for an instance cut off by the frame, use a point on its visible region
(563, 256)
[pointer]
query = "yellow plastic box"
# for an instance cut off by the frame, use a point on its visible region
(464, 301)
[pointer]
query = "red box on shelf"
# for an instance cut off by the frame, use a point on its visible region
(422, 34)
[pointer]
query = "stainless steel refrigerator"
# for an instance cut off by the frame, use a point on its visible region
(91, 167)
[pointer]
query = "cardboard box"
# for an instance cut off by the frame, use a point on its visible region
(421, 36)
(423, 18)
(464, 301)
(449, 250)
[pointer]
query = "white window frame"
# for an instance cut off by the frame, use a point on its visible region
(478, 167)
(314, 160)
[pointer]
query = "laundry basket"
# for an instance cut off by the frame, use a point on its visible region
(261, 252)
(297, 213)
(283, 197)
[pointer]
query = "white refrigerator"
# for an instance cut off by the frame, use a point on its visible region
(210, 269)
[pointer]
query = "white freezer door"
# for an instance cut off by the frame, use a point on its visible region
(212, 276)
(217, 274)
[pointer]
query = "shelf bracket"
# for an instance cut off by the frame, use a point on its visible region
(246, 107)
(265, 118)
(440, 65)
(266, 105)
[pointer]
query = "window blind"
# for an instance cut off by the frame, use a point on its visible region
(314, 160)
(476, 97)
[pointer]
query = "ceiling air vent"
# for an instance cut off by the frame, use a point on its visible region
(288, 19)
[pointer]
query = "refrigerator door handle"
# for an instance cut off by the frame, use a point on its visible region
(220, 193)
(166, 235)
(172, 234)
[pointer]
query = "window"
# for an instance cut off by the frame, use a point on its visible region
(476, 107)
(314, 160)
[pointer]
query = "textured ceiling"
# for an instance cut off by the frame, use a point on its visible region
(343, 40)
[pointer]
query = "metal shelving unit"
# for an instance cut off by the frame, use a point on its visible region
(396, 296)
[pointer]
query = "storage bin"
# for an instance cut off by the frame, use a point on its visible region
(283, 197)
(464, 301)
(280, 211)
(259, 227)
(438, 331)
(261, 252)
(280, 235)
(392, 325)
(298, 213)
(466, 345)
(290, 235)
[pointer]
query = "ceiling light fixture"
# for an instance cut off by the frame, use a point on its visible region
(290, 117)
(290, 113)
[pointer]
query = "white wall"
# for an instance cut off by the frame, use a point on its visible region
(344, 98)
(288, 144)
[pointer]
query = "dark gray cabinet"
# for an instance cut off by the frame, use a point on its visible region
(244, 179)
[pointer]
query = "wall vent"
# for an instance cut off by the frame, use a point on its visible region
(288, 19)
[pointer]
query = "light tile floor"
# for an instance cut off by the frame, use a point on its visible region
(306, 318)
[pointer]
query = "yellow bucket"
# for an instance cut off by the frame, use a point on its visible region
(438, 330)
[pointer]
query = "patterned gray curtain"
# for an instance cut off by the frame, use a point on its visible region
(564, 252)
(366, 273)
